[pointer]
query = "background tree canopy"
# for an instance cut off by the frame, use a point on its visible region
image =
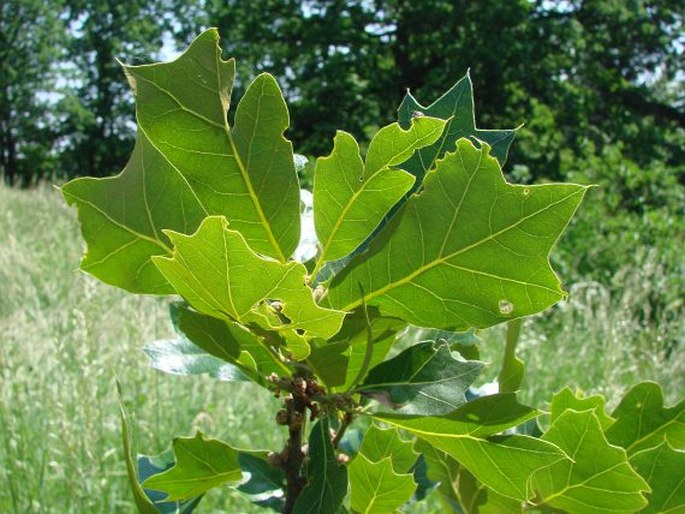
(581, 74)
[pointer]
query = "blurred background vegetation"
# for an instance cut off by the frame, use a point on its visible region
(598, 84)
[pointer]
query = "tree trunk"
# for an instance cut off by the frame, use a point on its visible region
(8, 152)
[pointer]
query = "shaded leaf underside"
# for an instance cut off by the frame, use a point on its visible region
(180, 356)
(425, 379)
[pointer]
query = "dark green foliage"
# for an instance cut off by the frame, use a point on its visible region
(30, 33)
(327, 479)
(97, 110)
(599, 70)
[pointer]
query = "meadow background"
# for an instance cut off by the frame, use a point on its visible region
(599, 85)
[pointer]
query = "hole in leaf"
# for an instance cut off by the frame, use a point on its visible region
(506, 307)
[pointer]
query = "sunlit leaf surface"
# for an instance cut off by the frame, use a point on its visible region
(596, 476)
(201, 464)
(469, 251)
(188, 164)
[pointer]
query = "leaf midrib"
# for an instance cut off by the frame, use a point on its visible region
(246, 177)
(203, 478)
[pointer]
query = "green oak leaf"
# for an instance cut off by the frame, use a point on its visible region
(664, 470)
(232, 343)
(444, 470)
(482, 417)
(218, 274)
(180, 356)
(475, 498)
(339, 362)
(150, 465)
(502, 463)
(143, 503)
(457, 108)
(596, 478)
(352, 197)
(380, 474)
(376, 488)
(188, 164)
(329, 361)
(459, 490)
(266, 483)
(565, 399)
(643, 422)
(379, 443)
(326, 479)
(201, 464)
(463, 342)
(469, 251)
(425, 379)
